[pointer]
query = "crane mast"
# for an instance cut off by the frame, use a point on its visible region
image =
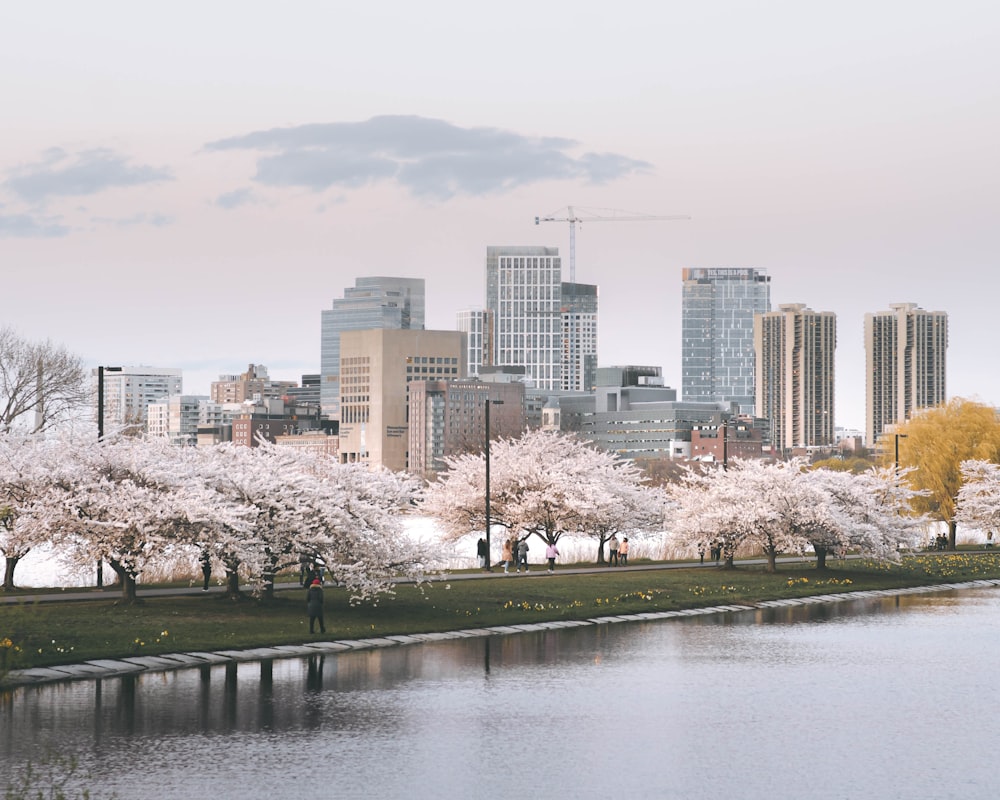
(570, 215)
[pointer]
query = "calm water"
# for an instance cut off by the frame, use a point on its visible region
(869, 699)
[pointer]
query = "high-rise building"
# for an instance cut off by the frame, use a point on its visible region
(717, 318)
(374, 302)
(794, 349)
(128, 391)
(472, 323)
(579, 336)
(524, 304)
(905, 351)
(376, 368)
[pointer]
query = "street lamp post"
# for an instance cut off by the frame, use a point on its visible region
(486, 451)
(896, 438)
(725, 445)
(100, 437)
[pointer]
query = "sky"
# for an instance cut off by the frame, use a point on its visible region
(190, 185)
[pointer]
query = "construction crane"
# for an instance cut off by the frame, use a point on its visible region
(571, 215)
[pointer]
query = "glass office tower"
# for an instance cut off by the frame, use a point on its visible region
(717, 313)
(375, 302)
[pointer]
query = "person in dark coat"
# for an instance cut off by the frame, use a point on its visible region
(314, 605)
(206, 568)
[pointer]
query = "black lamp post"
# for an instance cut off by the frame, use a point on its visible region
(725, 445)
(487, 404)
(100, 437)
(896, 438)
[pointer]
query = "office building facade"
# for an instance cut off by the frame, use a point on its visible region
(473, 324)
(579, 336)
(377, 365)
(524, 304)
(128, 392)
(794, 353)
(905, 359)
(374, 302)
(718, 306)
(448, 418)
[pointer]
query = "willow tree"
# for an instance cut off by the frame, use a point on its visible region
(936, 441)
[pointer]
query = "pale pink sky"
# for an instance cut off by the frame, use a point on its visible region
(191, 186)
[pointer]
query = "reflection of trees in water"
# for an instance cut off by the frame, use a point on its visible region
(338, 691)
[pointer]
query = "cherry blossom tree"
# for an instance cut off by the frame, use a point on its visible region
(979, 497)
(270, 505)
(121, 502)
(27, 465)
(768, 505)
(542, 484)
(618, 504)
(869, 511)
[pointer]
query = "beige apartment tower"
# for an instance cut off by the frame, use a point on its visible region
(794, 353)
(376, 368)
(905, 350)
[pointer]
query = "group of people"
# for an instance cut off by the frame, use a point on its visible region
(515, 551)
(617, 551)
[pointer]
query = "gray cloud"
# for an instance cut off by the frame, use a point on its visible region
(25, 226)
(61, 174)
(429, 157)
(235, 199)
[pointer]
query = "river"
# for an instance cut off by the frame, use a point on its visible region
(889, 698)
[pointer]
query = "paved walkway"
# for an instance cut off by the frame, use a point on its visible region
(536, 571)
(109, 668)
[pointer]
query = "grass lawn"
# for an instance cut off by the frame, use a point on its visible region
(60, 633)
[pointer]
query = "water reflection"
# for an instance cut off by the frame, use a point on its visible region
(831, 700)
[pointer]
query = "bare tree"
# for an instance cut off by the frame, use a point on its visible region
(40, 383)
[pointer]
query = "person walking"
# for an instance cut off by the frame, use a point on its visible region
(314, 605)
(550, 553)
(613, 550)
(506, 555)
(623, 552)
(482, 552)
(522, 554)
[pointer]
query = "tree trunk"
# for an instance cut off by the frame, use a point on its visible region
(8, 572)
(772, 559)
(232, 584)
(820, 556)
(952, 534)
(600, 553)
(126, 581)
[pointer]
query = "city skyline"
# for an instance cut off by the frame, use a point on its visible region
(194, 193)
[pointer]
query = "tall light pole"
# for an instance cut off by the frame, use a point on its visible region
(486, 451)
(895, 458)
(725, 445)
(100, 437)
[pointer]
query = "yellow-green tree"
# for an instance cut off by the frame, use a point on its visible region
(936, 441)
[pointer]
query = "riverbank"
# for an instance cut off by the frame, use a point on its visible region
(99, 638)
